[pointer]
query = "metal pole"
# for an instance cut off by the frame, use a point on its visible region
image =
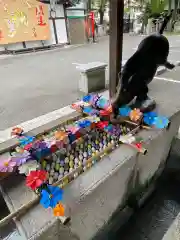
(116, 41)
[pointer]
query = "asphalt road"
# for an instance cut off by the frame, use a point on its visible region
(37, 83)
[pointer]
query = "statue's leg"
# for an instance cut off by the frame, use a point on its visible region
(122, 98)
(143, 102)
(169, 65)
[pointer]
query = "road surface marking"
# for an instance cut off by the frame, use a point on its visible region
(167, 79)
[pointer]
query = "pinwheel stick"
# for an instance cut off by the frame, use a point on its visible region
(153, 128)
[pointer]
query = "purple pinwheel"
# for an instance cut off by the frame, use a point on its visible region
(39, 145)
(51, 196)
(94, 99)
(7, 165)
(149, 118)
(116, 131)
(21, 158)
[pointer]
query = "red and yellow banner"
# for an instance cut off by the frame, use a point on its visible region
(23, 20)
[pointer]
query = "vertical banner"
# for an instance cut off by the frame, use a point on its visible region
(92, 22)
(23, 20)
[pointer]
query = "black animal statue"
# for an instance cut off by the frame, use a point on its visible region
(140, 69)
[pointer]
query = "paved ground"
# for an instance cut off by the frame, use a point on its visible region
(34, 84)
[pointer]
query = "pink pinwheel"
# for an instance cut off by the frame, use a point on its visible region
(7, 165)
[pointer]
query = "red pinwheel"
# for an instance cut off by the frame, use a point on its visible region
(105, 112)
(102, 125)
(139, 145)
(17, 131)
(36, 178)
(28, 146)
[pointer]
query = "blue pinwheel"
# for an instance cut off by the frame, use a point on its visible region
(87, 98)
(84, 123)
(90, 111)
(109, 128)
(51, 196)
(161, 122)
(26, 140)
(124, 111)
(87, 110)
(149, 118)
(102, 103)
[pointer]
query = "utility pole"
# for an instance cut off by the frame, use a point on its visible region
(116, 41)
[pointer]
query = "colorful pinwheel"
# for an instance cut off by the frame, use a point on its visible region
(109, 128)
(135, 115)
(104, 113)
(89, 110)
(21, 158)
(94, 99)
(7, 165)
(84, 123)
(51, 196)
(27, 167)
(124, 111)
(102, 124)
(102, 103)
(161, 122)
(59, 210)
(25, 140)
(36, 178)
(87, 98)
(149, 118)
(17, 131)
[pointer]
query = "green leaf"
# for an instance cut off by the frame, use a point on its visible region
(157, 6)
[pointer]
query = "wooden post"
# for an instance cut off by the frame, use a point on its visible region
(116, 40)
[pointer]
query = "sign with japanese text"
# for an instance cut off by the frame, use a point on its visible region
(23, 20)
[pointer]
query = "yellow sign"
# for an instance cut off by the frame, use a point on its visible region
(23, 20)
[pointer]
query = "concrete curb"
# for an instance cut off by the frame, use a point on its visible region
(56, 49)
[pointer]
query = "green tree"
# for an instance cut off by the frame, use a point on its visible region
(100, 5)
(154, 8)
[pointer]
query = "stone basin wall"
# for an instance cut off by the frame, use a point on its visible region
(95, 197)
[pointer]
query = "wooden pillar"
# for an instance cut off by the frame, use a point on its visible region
(116, 40)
